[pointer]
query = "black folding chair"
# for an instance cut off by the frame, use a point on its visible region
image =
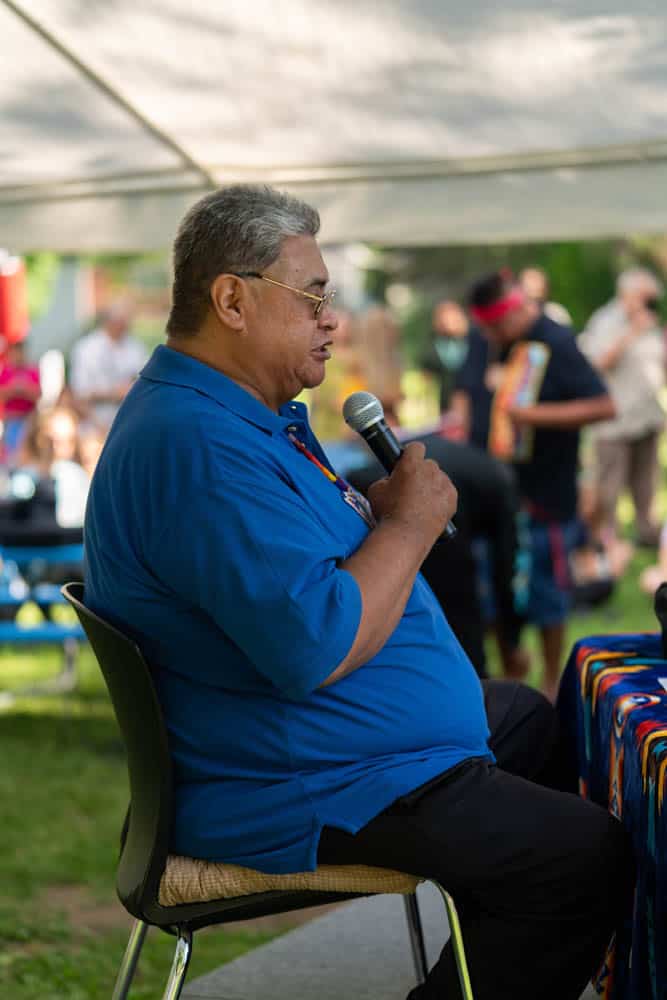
(180, 895)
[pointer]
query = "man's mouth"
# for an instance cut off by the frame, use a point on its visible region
(322, 351)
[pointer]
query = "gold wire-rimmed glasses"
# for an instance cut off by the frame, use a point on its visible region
(322, 300)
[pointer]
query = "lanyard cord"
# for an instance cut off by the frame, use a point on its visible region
(332, 477)
(355, 500)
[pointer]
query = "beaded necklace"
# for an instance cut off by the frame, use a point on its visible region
(353, 499)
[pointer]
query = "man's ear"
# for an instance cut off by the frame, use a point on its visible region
(229, 300)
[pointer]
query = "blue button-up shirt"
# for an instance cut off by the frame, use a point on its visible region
(217, 544)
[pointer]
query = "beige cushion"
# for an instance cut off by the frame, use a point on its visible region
(189, 880)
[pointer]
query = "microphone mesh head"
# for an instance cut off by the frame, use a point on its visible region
(361, 410)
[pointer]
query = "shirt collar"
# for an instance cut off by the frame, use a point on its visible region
(174, 368)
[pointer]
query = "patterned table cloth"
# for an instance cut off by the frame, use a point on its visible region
(615, 707)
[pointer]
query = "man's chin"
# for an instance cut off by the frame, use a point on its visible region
(314, 375)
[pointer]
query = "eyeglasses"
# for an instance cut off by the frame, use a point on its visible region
(322, 301)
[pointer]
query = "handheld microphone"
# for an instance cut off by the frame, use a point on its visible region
(363, 412)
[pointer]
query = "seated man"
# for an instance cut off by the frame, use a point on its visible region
(319, 707)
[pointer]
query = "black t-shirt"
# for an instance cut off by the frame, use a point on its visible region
(545, 462)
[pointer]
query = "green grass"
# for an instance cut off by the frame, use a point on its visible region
(63, 788)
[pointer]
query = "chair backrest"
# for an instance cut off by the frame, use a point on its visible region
(144, 734)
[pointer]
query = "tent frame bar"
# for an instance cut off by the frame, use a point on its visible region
(137, 183)
(112, 92)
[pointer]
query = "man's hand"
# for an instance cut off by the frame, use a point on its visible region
(643, 320)
(417, 495)
(640, 321)
(412, 507)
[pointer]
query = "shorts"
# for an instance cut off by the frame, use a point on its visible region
(542, 580)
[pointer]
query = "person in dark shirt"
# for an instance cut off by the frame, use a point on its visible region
(524, 391)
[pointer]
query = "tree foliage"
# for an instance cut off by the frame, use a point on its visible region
(41, 271)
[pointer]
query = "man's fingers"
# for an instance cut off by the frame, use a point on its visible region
(414, 451)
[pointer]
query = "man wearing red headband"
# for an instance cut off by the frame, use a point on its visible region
(526, 390)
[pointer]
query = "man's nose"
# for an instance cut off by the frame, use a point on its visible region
(329, 318)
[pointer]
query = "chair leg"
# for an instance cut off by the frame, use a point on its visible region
(416, 936)
(180, 964)
(130, 959)
(457, 944)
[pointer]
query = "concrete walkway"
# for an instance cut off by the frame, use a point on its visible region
(359, 951)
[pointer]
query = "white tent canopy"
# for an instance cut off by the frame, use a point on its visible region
(403, 121)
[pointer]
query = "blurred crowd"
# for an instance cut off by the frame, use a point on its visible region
(497, 360)
(529, 493)
(55, 417)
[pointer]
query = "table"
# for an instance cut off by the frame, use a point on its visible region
(614, 706)
(21, 568)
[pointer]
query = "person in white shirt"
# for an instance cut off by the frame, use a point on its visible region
(623, 339)
(104, 365)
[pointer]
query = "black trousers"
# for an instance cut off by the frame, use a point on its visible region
(539, 876)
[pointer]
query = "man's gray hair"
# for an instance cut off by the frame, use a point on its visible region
(638, 277)
(233, 230)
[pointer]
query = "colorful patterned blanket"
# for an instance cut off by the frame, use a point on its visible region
(614, 702)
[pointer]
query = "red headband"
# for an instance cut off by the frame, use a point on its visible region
(496, 310)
